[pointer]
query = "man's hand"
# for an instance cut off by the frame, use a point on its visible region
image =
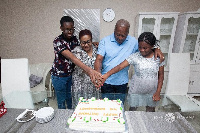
(96, 44)
(158, 53)
(100, 81)
(95, 76)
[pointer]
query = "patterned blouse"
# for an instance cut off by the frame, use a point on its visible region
(62, 66)
(81, 82)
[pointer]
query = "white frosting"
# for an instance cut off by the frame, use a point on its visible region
(98, 115)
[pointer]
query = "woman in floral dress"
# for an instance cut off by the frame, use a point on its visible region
(81, 83)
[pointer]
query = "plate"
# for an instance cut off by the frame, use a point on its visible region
(44, 114)
(26, 116)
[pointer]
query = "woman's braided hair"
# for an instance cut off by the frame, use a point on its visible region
(148, 37)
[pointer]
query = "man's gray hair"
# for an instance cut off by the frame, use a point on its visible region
(122, 23)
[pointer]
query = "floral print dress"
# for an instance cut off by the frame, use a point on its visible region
(81, 83)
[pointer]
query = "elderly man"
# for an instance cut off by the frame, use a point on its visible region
(113, 50)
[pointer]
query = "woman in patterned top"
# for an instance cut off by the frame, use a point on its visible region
(81, 83)
(64, 63)
(146, 83)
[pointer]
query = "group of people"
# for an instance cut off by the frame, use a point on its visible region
(82, 69)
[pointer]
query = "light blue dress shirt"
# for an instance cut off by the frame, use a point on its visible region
(114, 54)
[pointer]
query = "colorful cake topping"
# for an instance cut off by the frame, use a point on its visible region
(106, 99)
(98, 115)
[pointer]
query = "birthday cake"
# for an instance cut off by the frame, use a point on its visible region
(98, 115)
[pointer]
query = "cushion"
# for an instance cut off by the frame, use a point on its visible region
(34, 80)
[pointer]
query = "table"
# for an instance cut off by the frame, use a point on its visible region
(157, 122)
(138, 121)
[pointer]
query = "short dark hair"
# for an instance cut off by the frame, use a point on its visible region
(123, 23)
(147, 37)
(85, 32)
(66, 19)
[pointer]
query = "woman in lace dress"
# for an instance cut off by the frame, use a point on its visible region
(146, 83)
(81, 83)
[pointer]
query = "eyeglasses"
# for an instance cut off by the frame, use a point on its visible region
(86, 42)
(69, 30)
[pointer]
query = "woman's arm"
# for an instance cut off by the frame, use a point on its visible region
(115, 70)
(156, 96)
(89, 71)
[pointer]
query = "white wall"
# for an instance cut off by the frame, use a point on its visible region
(28, 27)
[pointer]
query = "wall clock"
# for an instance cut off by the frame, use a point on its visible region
(108, 15)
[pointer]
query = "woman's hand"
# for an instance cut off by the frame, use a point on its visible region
(94, 76)
(103, 78)
(101, 81)
(156, 96)
(158, 53)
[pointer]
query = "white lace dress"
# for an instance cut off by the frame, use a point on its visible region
(81, 83)
(143, 83)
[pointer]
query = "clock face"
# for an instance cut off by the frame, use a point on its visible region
(108, 15)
